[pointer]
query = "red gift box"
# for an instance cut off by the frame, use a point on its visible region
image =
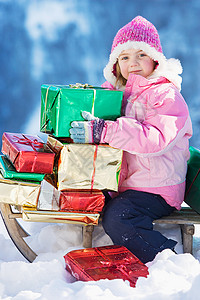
(28, 153)
(108, 262)
(82, 200)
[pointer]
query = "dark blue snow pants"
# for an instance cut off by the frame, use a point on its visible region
(128, 218)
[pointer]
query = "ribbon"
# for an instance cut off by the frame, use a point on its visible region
(32, 143)
(94, 97)
(45, 109)
(45, 105)
(187, 192)
(121, 267)
(94, 165)
(85, 86)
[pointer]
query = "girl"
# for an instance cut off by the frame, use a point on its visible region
(153, 132)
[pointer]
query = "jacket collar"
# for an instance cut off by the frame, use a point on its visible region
(138, 80)
(136, 83)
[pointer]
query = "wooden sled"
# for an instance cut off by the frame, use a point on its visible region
(186, 218)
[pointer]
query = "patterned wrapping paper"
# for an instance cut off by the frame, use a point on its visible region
(62, 104)
(84, 166)
(76, 217)
(107, 262)
(19, 192)
(28, 153)
(9, 172)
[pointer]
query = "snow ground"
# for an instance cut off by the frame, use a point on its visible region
(170, 275)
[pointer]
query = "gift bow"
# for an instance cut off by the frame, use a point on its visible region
(32, 143)
(129, 274)
(80, 85)
(26, 141)
(113, 265)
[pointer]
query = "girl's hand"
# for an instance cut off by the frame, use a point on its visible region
(88, 131)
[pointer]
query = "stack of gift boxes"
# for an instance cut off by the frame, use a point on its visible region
(57, 180)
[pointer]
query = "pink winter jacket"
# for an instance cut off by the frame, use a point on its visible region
(154, 134)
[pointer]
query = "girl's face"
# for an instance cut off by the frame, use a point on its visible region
(136, 62)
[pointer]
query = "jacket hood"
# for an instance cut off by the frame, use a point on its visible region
(168, 68)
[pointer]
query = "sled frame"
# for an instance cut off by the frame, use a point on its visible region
(186, 218)
(17, 233)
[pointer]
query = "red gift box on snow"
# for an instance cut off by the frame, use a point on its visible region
(108, 262)
(28, 153)
(82, 200)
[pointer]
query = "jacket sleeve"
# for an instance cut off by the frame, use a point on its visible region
(166, 121)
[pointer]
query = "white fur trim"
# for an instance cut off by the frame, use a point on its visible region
(168, 68)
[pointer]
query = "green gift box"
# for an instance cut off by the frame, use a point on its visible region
(62, 104)
(9, 172)
(192, 194)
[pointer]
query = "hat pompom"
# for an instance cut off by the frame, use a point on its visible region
(175, 65)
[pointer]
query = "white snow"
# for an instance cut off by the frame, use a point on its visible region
(170, 275)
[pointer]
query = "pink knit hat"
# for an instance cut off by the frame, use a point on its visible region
(138, 30)
(141, 34)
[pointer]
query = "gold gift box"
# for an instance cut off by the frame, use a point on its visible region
(18, 192)
(89, 167)
(33, 215)
(86, 166)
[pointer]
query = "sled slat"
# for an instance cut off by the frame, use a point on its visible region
(15, 216)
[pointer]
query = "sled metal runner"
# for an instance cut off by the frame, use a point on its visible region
(186, 218)
(17, 233)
